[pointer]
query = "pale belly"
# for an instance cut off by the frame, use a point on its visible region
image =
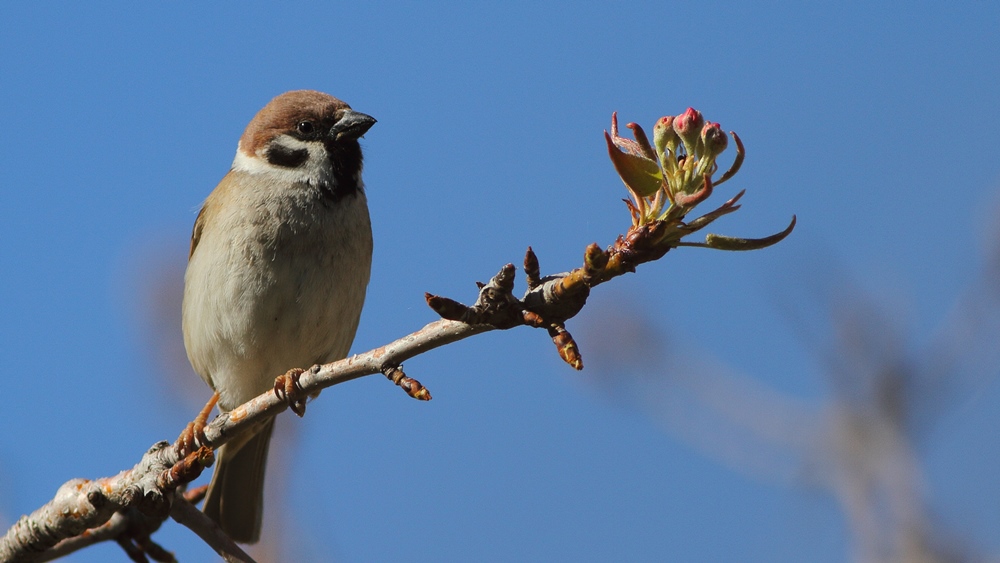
(253, 309)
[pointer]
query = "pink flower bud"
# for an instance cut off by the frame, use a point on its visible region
(688, 126)
(714, 139)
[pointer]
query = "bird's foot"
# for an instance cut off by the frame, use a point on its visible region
(193, 435)
(287, 388)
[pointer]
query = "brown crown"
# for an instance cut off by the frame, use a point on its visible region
(284, 112)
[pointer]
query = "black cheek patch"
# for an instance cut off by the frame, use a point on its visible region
(280, 155)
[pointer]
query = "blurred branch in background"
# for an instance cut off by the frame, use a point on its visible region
(861, 444)
(157, 265)
(719, 412)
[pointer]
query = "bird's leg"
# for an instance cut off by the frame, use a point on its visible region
(193, 434)
(287, 388)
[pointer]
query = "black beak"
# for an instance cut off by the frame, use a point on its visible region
(351, 126)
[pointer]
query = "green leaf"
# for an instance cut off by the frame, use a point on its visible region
(640, 174)
(721, 242)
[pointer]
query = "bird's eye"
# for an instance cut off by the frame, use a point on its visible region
(305, 127)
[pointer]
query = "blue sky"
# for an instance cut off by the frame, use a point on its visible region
(876, 126)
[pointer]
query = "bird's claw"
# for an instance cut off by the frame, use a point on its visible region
(287, 388)
(193, 435)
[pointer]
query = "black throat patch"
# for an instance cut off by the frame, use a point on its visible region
(345, 160)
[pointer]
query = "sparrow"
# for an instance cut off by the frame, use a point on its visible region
(277, 272)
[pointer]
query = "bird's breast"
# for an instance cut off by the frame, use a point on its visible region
(275, 283)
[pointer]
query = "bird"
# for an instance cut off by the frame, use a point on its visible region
(277, 272)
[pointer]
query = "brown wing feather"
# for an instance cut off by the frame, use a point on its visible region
(199, 225)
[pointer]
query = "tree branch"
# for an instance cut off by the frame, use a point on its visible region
(188, 514)
(131, 505)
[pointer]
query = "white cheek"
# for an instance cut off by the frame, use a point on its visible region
(316, 169)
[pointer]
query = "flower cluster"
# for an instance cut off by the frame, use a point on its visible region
(675, 171)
